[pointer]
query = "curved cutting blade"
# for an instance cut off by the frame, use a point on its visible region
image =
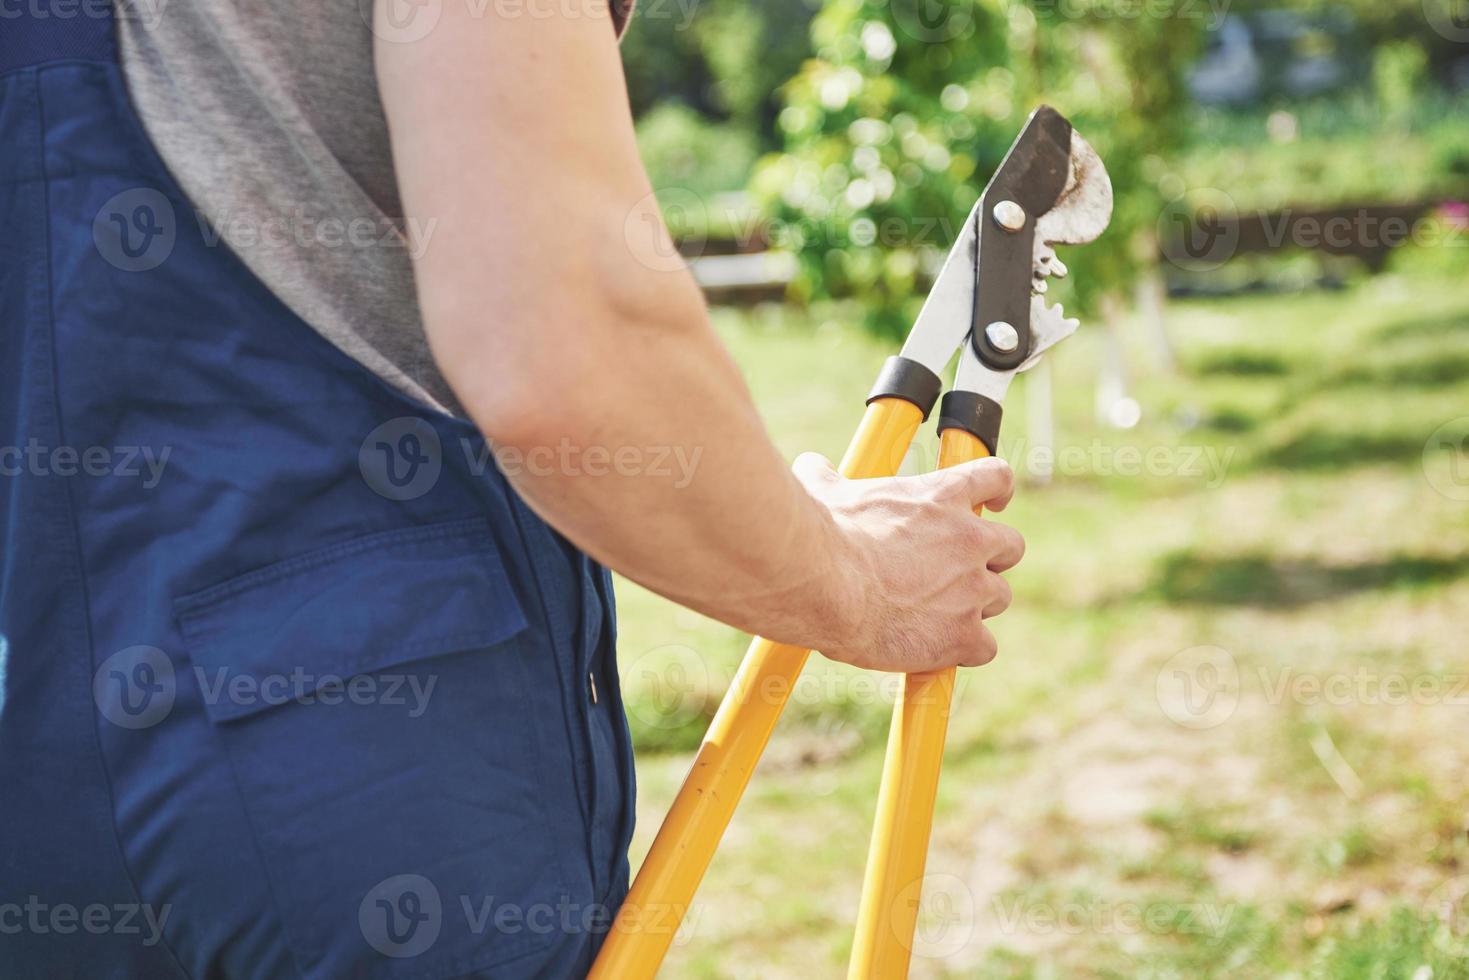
(1080, 214)
(1084, 208)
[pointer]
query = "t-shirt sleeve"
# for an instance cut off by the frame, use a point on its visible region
(621, 15)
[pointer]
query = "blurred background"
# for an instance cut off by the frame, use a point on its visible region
(1226, 734)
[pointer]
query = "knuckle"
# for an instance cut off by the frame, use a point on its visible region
(977, 536)
(1001, 476)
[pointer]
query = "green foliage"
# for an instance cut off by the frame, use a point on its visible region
(1398, 71)
(893, 128)
(683, 149)
(722, 58)
(1353, 150)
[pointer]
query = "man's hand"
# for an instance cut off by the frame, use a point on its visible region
(922, 570)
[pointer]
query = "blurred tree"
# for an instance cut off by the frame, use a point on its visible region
(893, 127)
(724, 59)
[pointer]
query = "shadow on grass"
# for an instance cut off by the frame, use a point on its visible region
(1242, 363)
(1316, 449)
(1231, 420)
(1437, 369)
(1430, 326)
(1260, 580)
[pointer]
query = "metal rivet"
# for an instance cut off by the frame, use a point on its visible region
(1009, 215)
(1002, 337)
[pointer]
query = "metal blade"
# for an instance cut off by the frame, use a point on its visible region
(1048, 326)
(1084, 208)
(1080, 214)
(948, 311)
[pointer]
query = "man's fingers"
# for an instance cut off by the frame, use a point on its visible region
(980, 650)
(985, 482)
(1006, 546)
(1001, 599)
(813, 469)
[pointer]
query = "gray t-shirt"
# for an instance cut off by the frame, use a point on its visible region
(267, 113)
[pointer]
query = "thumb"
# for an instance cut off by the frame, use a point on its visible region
(987, 482)
(814, 470)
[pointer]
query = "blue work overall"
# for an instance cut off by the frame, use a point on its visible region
(292, 683)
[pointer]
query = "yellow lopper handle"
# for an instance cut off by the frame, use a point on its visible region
(910, 781)
(665, 884)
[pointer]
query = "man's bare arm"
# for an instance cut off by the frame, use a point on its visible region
(559, 316)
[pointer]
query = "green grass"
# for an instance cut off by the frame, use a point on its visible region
(1305, 517)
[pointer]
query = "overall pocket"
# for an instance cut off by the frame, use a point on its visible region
(384, 708)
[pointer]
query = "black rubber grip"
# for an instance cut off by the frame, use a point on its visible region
(908, 380)
(975, 414)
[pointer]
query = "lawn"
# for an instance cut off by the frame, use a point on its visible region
(1226, 733)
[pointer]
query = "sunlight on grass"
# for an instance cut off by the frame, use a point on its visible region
(1082, 829)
